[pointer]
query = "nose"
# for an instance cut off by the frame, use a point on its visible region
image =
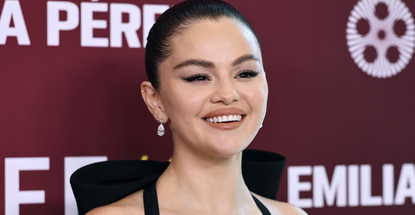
(225, 92)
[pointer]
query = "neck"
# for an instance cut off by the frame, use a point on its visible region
(204, 183)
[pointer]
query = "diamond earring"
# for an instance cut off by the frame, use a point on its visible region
(160, 129)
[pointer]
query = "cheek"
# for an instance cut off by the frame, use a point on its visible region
(258, 96)
(181, 105)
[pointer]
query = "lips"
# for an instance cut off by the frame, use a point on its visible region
(225, 119)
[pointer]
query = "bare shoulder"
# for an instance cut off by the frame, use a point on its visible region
(131, 204)
(280, 208)
(107, 210)
(286, 208)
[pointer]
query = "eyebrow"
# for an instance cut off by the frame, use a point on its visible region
(211, 65)
(245, 58)
(194, 62)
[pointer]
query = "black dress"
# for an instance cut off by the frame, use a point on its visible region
(106, 182)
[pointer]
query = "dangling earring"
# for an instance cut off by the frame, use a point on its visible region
(160, 129)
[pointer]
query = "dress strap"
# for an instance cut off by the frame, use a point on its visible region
(261, 206)
(151, 206)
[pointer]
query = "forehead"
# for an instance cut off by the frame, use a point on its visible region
(216, 40)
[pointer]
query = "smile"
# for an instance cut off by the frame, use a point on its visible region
(222, 119)
(225, 118)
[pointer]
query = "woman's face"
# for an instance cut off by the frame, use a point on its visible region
(213, 88)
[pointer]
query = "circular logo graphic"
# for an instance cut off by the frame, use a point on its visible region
(381, 36)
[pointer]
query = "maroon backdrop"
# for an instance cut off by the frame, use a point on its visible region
(348, 136)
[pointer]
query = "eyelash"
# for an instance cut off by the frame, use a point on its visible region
(247, 74)
(197, 77)
(204, 77)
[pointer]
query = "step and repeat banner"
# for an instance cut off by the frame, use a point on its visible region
(341, 107)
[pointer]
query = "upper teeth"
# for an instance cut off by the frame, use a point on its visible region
(230, 118)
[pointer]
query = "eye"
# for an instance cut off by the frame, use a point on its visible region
(197, 77)
(247, 74)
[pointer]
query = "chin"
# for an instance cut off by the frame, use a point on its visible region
(227, 149)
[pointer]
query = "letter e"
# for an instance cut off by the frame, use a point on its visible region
(14, 197)
(295, 186)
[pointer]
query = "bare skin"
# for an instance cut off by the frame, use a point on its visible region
(133, 204)
(205, 175)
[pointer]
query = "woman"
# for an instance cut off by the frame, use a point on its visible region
(204, 64)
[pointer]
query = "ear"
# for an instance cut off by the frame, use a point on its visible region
(152, 99)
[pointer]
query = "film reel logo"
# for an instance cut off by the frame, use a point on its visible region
(381, 36)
